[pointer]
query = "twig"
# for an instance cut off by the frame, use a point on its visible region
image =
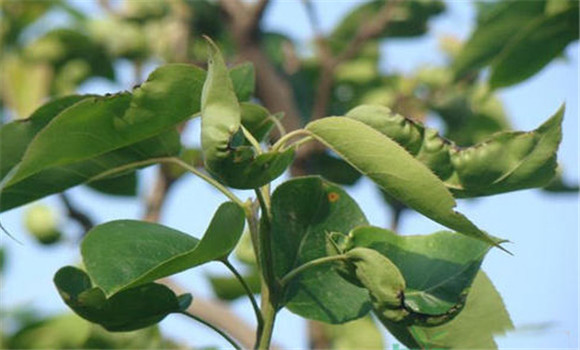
(247, 289)
(370, 30)
(258, 11)
(76, 214)
(234, 8)
(219, 314)
(214, 328)
(213, 312)
(271, 88)
(156, 199)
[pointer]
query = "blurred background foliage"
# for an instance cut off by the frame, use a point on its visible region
(52, 48)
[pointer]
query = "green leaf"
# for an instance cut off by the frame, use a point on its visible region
(257, 120)
(394, 170)
(98, 125)
(59, 178)
(128, 310)
(220, 112)
(504, 162)
(509, 161)
(304, 211)
(483, 316)
(333, 168)
(379, 276)
(438, 268)
(243, 79)
(359, 334)
(126, 253)
(15, 136)
(61, 47)
(503, 21)
(121, 185)
(409, 19)
(229, 288)
(227, 158)
(60, 332)
(534, 47)
(24, 84)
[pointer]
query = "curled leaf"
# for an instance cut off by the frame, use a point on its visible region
(128, 310)
(506, 161)
(438, 270)
(227, 157)
(483, 316)
(379, 276)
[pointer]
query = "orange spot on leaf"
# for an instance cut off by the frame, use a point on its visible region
(333, 197)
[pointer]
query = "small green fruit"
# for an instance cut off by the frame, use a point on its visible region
(42, 223)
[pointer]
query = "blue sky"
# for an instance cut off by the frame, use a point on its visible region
(539, 283)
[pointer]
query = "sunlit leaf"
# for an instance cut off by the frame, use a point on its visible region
(229, 288)
(61, 332)
(504, 162)
(59, 178)
(98, 125)
(226, 156)
(395, 170)
(15, 136)
(359, 334)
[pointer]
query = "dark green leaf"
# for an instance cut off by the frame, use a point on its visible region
(394, 170)
(244, 80)
(355, 335)
(304, 211)
(125, 253)
(502, 21)
(122, 185)
(438, 268)
(559, 185)
(98, 125)
(483, 316)
(128, 310)
(534, 47)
